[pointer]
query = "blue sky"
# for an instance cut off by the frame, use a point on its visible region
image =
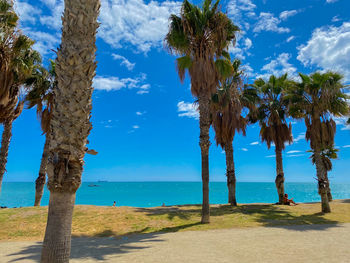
(145, 126)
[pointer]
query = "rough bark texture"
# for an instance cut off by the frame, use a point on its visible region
(70, 124)
(329, 193)
(40, 181)
(204, 125)
(279, 181)
(230, 173)
(5, 143)
(322, 182)
(56, 247)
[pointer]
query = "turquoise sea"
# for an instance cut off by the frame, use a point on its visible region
(148, 194)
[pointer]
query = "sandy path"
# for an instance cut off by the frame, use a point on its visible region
(315, 243)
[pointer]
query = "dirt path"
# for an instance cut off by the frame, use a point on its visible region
(308, 243)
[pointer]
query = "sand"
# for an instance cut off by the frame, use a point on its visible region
(306, 243)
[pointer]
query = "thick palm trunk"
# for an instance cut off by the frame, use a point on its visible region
(322, 182)
(5, 143)
(279, 181)
(57, 245)
(204, 125)
(329, 193)
(40, 181)
(230, 173)
(70, 124)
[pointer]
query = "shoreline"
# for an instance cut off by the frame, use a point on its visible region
(345, 200)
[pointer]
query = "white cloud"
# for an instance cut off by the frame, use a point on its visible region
(140, 113)
(53, 20)
(270, 156)
(295, 155)
(239, 11)
(329, 49)
(143, 25)
(244, 149)
(331, 1)
(254, 143)
(342, 121)
(115, 83)
(135, 126)
(26, 12)
(248, 43)
(295, 151)
(124, 61)
(279, 67)
(288, 13)
(335, 19)
(300, 136)
(290, 38)
(346, 146)
(187, 109)
(267, 22)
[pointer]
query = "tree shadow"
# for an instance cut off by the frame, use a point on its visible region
(280, 217)
(99, 246)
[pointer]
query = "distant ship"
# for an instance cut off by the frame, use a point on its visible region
(93, 185)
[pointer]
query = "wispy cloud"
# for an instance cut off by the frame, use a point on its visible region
(124, 61)
(267, 22)
(270, 156)
(140, 113)
(254, 143)
(244, 149)
(300, 136)
(295, 151)
(115, 83)
(188, 109)
(346, 146)
(288, 13)
(295, 155)
(278, 66)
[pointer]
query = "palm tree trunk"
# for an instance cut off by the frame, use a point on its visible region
(70, 123)
(329, 193)
(230, 173)
(322, 182)
(279, 181)
(57, 245)
(204, 125)
(40, 181)
(5, 143)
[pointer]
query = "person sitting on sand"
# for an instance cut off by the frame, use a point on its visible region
(114, 203)
(287, 201)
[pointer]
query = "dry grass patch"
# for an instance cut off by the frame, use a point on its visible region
(29, 223)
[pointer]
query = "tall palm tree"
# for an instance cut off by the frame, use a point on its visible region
(17, 60)
(42, 84)
(70, 123)
(201, 37)
(271, 114)
(327, 155)
(226, 109)
(316, 99)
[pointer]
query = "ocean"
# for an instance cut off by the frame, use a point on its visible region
(149, 194)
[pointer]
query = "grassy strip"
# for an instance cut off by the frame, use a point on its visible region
(93, 221)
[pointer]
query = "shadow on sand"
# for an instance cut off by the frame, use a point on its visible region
(99, 246)
(109, 243)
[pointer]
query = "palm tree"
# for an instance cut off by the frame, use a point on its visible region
(42, 84)
(271, 114)
(226, 109)
(70, 123)
(17, 60)
(317, 98)
(201, 37)
(327, 155)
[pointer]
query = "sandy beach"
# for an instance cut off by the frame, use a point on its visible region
(304, 243)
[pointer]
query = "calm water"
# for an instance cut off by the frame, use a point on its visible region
(147, 194)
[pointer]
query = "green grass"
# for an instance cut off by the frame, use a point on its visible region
(29, 223)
